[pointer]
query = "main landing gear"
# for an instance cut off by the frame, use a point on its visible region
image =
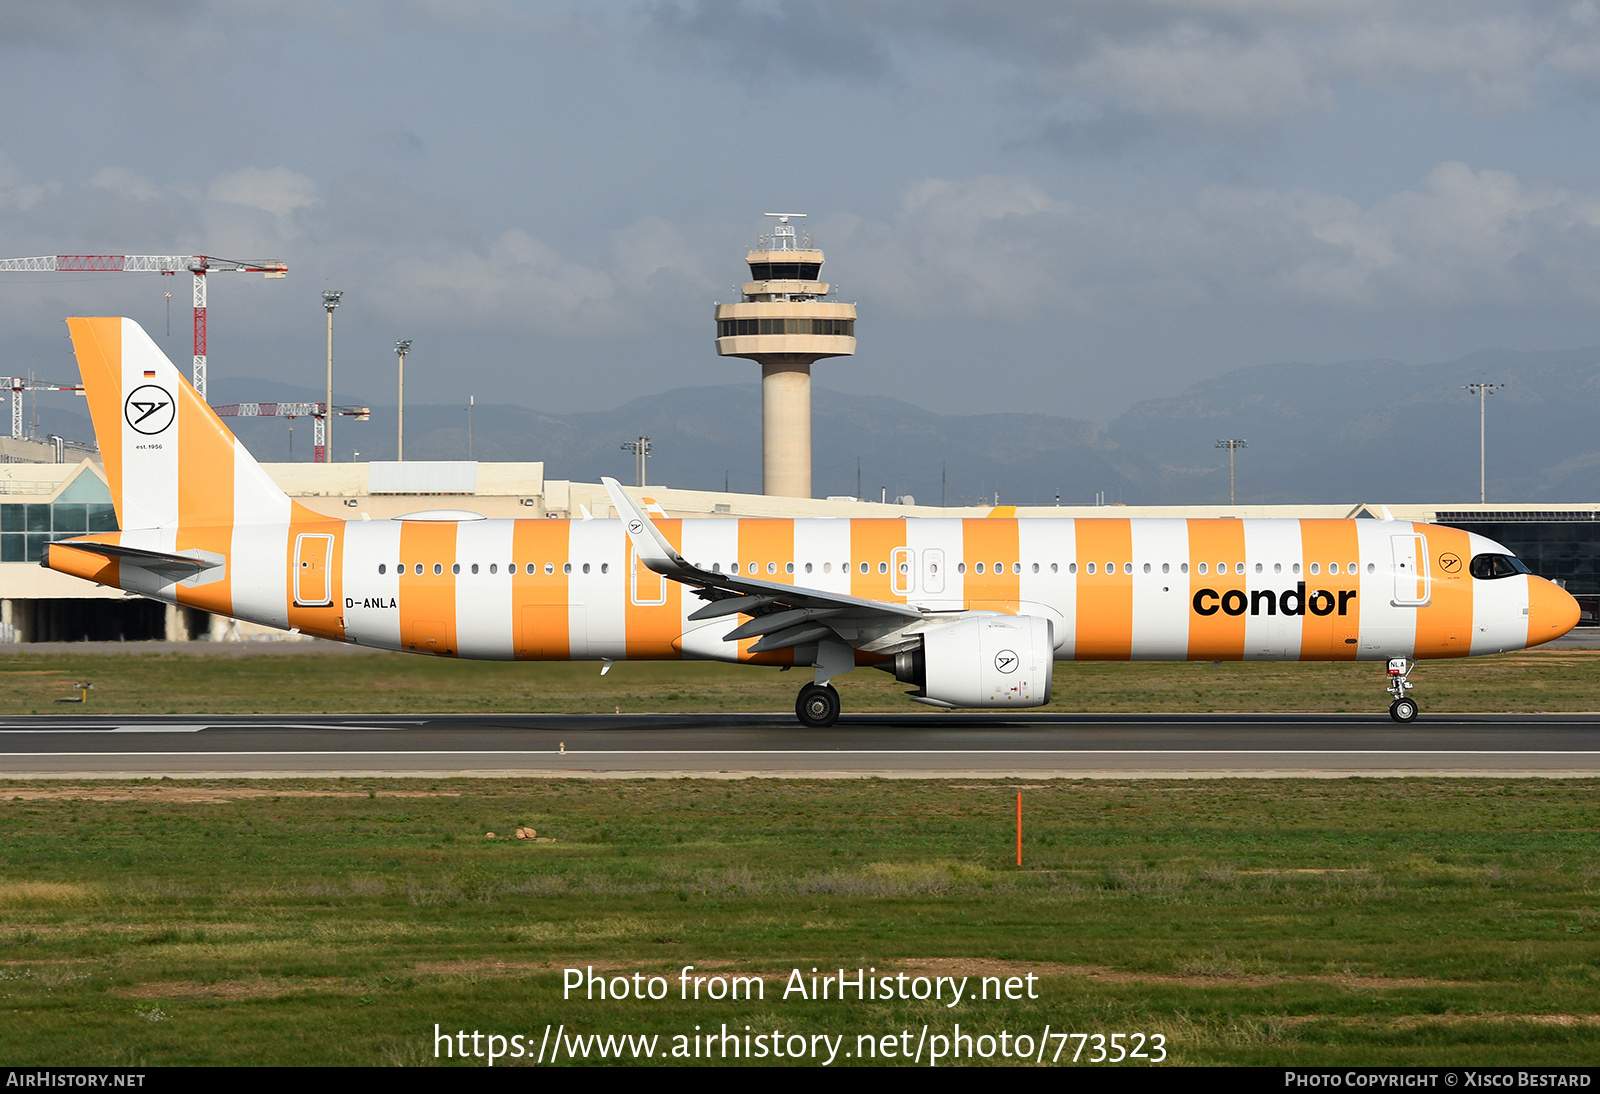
(818, 706)
(1404, 708)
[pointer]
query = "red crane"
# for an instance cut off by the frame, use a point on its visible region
(199, 265)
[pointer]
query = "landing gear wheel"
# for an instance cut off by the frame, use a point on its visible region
(818, 706)
(1403, 710)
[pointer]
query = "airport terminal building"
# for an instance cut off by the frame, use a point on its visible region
(41, 502)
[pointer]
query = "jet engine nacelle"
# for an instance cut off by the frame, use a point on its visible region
(984, 659)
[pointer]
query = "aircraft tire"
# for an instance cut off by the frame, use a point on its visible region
(1403, 711)
(818, 706)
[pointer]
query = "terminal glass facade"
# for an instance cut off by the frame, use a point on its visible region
(25, 527)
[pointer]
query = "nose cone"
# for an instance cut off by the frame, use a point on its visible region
(1551, 611)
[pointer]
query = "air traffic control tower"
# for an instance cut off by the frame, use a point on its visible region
(785, 321)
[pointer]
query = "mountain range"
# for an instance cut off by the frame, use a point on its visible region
(1355, 431)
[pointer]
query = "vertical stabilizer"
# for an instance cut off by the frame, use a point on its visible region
(169, 460)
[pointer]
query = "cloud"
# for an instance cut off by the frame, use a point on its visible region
(276, 190)
(999, 248)
(1234, 64)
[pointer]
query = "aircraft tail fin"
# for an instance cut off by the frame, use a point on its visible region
(169, 460)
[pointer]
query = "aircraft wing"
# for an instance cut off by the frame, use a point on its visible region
(784, 615)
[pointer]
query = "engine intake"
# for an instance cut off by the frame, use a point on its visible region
(983, 659)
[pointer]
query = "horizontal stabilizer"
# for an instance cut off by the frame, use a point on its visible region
(139, 556)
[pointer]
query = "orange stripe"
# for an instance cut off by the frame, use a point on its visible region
(769, 544)
(1444, 626)
(85, 564)
(428, 599)
(543, 621)
(1219, 546)
(205, 496)
(996, 544)
(1105, 601)
(874, 542)
(98, 345)
(651, 629)
(324, 622)
(1324, 544)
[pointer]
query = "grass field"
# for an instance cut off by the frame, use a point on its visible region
(1324, 922)
(339, 681)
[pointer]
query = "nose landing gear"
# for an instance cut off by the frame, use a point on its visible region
(818, 706)
(1404, 708)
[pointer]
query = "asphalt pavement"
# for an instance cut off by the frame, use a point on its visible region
(1035, 745)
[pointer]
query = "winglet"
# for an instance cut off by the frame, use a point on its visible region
(654, 549)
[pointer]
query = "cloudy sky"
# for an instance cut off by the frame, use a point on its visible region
(1037, 205)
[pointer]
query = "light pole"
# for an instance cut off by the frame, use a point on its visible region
(1232, 445)
(1482, 390)
(401, 348)
(470, 400)
(330, 301)
(641, 452)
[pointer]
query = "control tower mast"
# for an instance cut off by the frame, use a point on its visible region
(784, 321)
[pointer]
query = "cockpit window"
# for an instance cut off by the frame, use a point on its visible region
(1488, 567)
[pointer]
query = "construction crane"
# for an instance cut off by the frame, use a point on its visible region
(170, 265)
(315, 411)
(16, 385)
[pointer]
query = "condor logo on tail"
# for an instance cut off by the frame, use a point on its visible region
(1293, 601)
(149, 409)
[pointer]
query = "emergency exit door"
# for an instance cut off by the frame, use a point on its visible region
(1412, 582)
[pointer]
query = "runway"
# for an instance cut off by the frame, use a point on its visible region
(736, 745)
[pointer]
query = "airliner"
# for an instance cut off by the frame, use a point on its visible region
(971, 613)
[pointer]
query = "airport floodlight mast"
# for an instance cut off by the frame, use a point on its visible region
(785, 321)
(1232, 445)
(1482, 390)
(641, 452)
(322, 435)
(401, 348)
(171, 265)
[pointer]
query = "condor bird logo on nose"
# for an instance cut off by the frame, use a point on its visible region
(149, 409)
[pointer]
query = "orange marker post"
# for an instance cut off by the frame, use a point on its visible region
(1019, 828)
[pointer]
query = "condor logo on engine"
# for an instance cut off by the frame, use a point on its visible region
(1295, 601)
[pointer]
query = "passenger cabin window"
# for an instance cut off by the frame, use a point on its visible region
(382, 568)
(1202, 567)
(1490, 567)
